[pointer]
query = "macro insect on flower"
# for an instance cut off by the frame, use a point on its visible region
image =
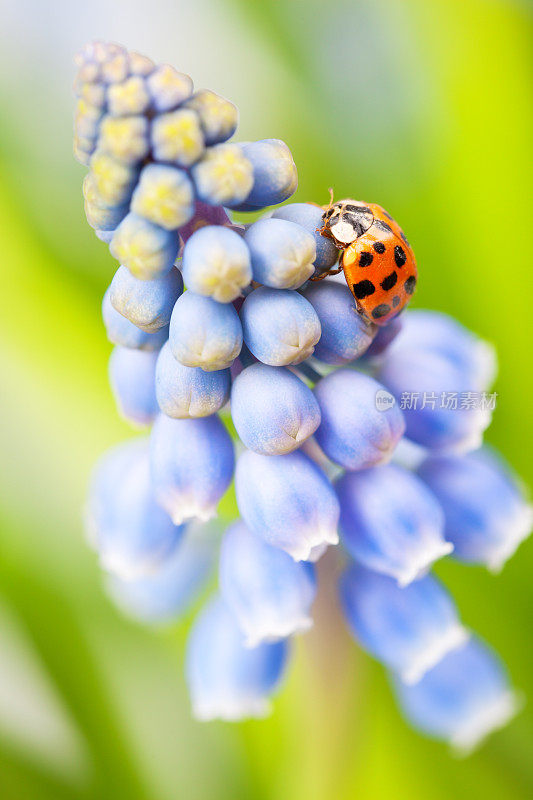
(378, 262)
(221, 326)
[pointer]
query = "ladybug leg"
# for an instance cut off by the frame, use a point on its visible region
(326, 274)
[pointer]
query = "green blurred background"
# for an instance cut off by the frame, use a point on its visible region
(424, 107)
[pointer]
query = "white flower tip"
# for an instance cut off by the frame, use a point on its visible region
(276, 632)
(191, 510)
(313, 547)
(489, 717)
(230, 709)
(434, 651)
(127, 569)
(516, 531)
(422, 561)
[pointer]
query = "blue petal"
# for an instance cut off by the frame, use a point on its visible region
(288, 501)
(216, 263)
(192, 465)
(461, 700)
(147, 304)
(269, 593)
(132, 378)
(204, 333)
(282, 253)
(275, 177)
(486, 512)
(309, 217)
(280, 327)
(272, 409)
(355, 431)
(124, 333)
(185, 392)
(226, 679)
(147, 250)
(409, 630)
(390, 522)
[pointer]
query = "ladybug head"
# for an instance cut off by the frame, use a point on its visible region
(346, 220)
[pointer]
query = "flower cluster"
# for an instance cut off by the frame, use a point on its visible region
(326, 449)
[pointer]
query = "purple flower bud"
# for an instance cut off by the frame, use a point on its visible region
(130, 532)
(204, 333)
(288, 501)
(309, 217)
(280, 327)
(192, 465)
(172, 588)
(147, 250)
(272, 409)
(462, 699)
(147, 304)
(356, 431)
(275, 177)
(390, 522)
(487, 515)
(216, 263)
(124, 333)
(283, 254)
(185, 392)
(226, 679)
(269, 593)
(345, 334)
(410, 629)
(132, 378)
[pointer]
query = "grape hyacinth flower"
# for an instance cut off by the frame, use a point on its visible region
(226, 330)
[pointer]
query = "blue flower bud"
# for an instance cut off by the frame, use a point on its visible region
(269, 593)
(125, 138)
(390, 522)
(283, 254)
(355, 431)
(192, 465)
(132, 378)
(280, 327)
(441, 334)
(177, 137)
(140, 65)
(113, 180)
(433, 366)
(184, 392)
(410, 629)
(309, 217)
(87, 120)
(131, 533)
(128, 97)
(226, 679)
(124, 333)
(105, 236)
(345, 334)
(218, 117)
(83, 150)
(487, 515)
(168, 87)
(461, 700)
(272, 409)
(288, 501)
(384, 337)
(164, 195)
(224, 176)
(147, 250)
(204, 333)
(147, 304)
(275, 177)
(104, 218)
(115, 68)
(429, 388)
(216, 263)
(171, 589)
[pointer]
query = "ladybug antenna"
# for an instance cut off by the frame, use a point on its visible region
(327, 208)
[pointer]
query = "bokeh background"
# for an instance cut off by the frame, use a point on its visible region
(424, 107)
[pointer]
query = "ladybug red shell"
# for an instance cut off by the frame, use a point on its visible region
(378, 262)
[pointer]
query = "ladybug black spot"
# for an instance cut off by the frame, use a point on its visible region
(365, 259)
(395, 301)
(379, 247)
(399, 256)
(382, 226)
(410, 284)
(390, 281)
(362, 209)
(363, 289)
(381, 311)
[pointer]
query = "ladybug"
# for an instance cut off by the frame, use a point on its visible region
(378, 262)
